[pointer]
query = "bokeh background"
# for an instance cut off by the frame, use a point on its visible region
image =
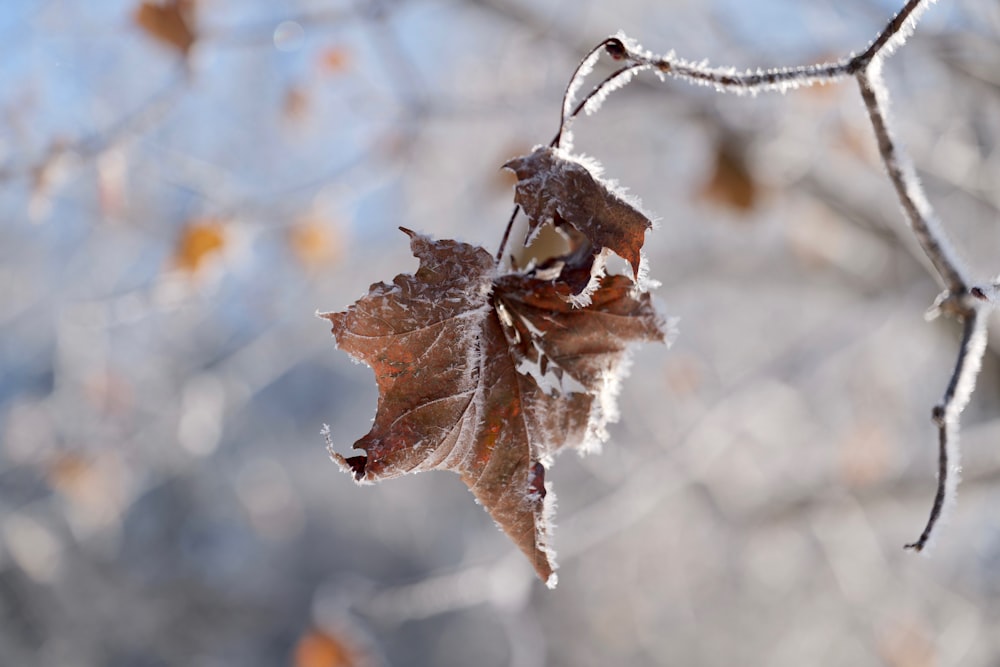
(182, 187)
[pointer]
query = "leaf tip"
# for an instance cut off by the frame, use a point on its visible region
(354, 466)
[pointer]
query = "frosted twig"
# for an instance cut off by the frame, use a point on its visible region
(924, 223)
(612, 82)
(962, 299)
(728, 79)
(946, 415)
(585, 66)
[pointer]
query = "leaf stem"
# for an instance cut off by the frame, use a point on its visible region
(506, 233)
(609, 83)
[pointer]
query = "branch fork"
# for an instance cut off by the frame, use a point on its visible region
(962, 299)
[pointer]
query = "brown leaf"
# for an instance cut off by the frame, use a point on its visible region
(731, 182)
(555, 187)
(171, 22)
(489, 376)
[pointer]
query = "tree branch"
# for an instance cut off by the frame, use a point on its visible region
(962, 300)
(923, 221)
(946, 415)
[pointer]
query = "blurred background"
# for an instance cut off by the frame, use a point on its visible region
(184, 185)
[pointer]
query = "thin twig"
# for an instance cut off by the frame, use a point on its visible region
(946, 415)
(962, 300)
(506, 232)
(583, 68)
(923, 221)
(608, 84)
(728, 79)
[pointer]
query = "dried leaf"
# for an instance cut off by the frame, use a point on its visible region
(199, 240)
(731, 182)
(556, 188)
(489, 376)
(170, 22)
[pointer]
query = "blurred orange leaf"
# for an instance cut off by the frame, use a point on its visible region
(319, 649)
(199, 240)
(731, 183)
(334, 60)
(170, 22)
(313, 243)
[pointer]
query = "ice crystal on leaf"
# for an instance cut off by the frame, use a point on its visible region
(489, 374)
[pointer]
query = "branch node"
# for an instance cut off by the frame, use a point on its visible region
(938, 415)
(616, 49)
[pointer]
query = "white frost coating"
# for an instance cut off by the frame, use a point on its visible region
(952, 481)
(955, 401)
(597, 271)
(554, 381)
(904, 32)
(338, 459)
(635, 50)
(593, 104)
(596, 170)
(591, 164)
(643, 283)
(604, 410)
(544, 523)
(919, 213)
(729, 80)
(544, 527)
(965, 383)
(585, 67)
(673, 331)
(328, 438)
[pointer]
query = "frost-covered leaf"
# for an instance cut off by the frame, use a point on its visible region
(553, 187)
(489, 375)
